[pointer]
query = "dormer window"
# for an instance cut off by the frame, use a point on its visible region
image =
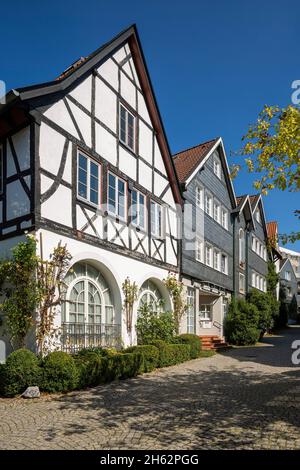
(127, 124)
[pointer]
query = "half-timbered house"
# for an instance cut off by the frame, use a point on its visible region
(85, 160)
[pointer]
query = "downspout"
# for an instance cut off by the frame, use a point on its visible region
(233, 258)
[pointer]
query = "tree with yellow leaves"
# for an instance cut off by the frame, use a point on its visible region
(272, 150)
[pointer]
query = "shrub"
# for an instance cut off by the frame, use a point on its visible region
(293, 308)
(170, 354)
(151, 325)
(122, 366)
(282, 319)
(150, 355)
(89, 366)
(263, 302)
(101, 352)
(193, 340)
(241, 323)
(20, 371)
(59, 372)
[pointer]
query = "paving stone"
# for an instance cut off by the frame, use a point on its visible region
(228, 401)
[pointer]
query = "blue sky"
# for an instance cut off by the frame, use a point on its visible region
(213, 64)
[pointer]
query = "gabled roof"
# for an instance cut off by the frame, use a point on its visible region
(22, 101)
(254, 199)
(188, 160)
(243, 204)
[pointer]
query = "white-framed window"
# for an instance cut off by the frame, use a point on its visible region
(150, 297)
(253, 279)
(156, 220)
(127, 124)
(224, 218)
(217, 167)
(242, 247)
(261, 283)
(190, 300)
(208, 255)
(241, 283)
(205, 311)
(200, 197)
(208, 203)
(89, 301)
(88, 179)
(117, 197)
(199, 250)
(265, 285)
(224, 263)
(1, 169)
(288, 275)
(217, 209)
(138, 209)
(257, 281)
(257, 215)
(216, 259)
(253, 242)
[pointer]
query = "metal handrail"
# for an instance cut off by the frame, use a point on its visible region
(76, 336)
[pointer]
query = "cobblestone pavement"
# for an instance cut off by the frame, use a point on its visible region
(246, 398)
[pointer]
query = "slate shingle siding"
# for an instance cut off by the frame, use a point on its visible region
(214, 233)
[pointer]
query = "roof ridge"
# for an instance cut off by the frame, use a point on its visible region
(194, 146)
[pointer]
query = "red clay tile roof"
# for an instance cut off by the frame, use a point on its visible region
(272, 230)
(188, 160)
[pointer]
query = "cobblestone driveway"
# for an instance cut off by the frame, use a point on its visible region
(244, 398)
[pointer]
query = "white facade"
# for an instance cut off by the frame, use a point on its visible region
(91, 153)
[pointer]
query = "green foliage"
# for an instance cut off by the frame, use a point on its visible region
(272, 278)
(193, 340)
(272, 148)
(241, 323)
(207, 353)
(21, 293)
(130, 291)
(122, 366)
(20, 371)
(171, 354)
(264, 303)
(89, 369)
(293, 308)
(59, 372)
(152, 325)
(282, 319)
(176, 290)
(150, 356)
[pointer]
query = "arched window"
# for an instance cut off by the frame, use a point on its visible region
(89, 298)
(150, 297)
(242, 254)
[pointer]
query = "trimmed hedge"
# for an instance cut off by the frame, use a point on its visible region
(59, 372)
(121, 366)
(171, 354)
(20, 371)
(89, 367)
(150, 355)
(193, 340)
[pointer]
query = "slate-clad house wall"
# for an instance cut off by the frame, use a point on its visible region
(288, 280)
(207, 259)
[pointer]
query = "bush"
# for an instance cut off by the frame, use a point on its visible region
(20, 371)
(282, 319)
(170, 354)
(101, 352)
(122, 366)
(59, 372)
(89, 366)
(264, 303)
(152, 326)
(193, 340)
(150, 355)
(293, 308)
(241, 323)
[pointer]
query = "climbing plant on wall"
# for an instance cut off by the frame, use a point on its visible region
(176, 291)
